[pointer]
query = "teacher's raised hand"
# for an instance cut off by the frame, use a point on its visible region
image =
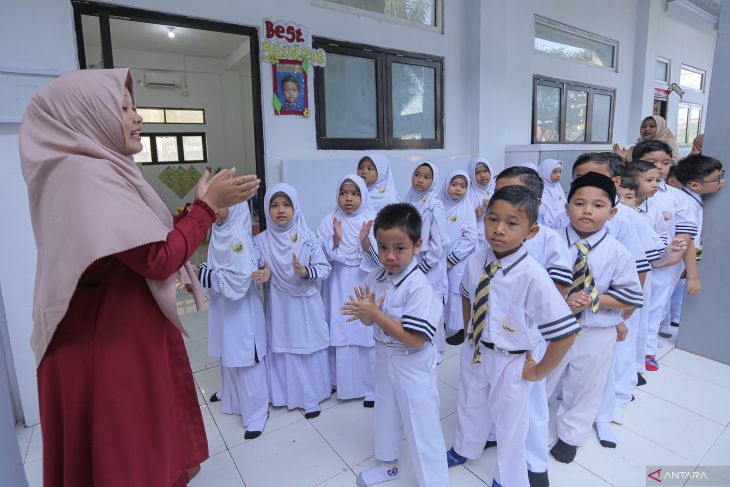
(224, 190)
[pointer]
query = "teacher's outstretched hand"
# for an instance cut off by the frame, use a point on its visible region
(224, 189)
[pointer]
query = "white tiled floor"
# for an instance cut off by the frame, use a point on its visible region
(681, 417)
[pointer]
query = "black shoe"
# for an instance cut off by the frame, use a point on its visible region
(456, 339)
(674, 324)
(312, 414)
(250, 435)
(633, 398)
(641, 381)
(665, 334)
(538, 479)
(368, 404)
(563, 452)
(214, 397)
(490, 444)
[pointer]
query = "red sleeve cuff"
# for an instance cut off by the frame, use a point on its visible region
(204, 206)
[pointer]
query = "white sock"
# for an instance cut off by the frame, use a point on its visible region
(605, 433)
(375, 475)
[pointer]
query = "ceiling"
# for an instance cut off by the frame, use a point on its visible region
(143, 36)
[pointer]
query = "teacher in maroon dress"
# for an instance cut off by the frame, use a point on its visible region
(118, 404)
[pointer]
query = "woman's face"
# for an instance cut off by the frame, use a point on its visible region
(132, 124)
(648, 129)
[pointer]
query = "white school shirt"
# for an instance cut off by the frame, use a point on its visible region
(614, 274)
(549, 250)
(647, 238)
(297, 324)
(524, 305)
(654, 217)
(622, 229)
(409, 299)
(673, 204)
(695, 214)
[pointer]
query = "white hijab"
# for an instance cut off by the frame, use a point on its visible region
(352, 223)
(478, 193)
(383, 192)
(427, 202)
(231, 249)
(285, 240)
(460, 217)
(553, 196)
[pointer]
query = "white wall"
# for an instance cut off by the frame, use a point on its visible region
(684, 38)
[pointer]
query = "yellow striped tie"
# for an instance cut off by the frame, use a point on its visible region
(582, 277)
(479, 310)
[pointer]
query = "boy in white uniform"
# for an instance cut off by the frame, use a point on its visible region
(605, 283)
(399, 300)
(511, 303)
(548, 249)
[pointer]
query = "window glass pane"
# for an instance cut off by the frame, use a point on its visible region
(695, 113)
(601, 117)
(690, 79)
(414, 101)
(418, 11)
(193, 148)
(575, 115)
(661, 71)
(167, 149)
(152, 115)
(547, 114)
(682, 118)
(184, 116)
(146, 154)
(565, 44)
(351, 104)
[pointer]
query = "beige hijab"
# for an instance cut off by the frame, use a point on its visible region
(87, 197)
(664, 134)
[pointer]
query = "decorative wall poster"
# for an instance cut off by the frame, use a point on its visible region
(288, 47)
(180, 180)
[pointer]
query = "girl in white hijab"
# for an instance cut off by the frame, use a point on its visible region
(352, 349)
(297, 332)
(374, 168)
(481, 185)
(432, 259)
(461, 228)
(236, 322)
(553, 196)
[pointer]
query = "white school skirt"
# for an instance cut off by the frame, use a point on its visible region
(299, 380)
(352, 368)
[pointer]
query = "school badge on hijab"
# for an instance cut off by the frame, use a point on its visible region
(293, 237)
(453, 218)
(237, 246)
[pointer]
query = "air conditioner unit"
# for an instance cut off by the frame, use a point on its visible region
(162, 80)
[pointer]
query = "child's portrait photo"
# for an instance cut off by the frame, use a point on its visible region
(290, 87)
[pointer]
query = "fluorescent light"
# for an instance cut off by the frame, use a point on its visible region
(171, 32)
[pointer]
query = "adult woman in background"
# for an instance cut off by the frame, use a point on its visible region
(117, 399)
(652, 127)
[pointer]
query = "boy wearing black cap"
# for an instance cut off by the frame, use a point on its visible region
(605, 282)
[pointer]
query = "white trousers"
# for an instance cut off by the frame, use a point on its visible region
(245, 391)
(675, 307)
(585, 367)
(642, 336)
(664, 281)
(493, 393)
(408, 404)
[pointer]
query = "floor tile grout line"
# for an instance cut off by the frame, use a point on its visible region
(713, 445)
(682, 407)
(695, 376)
(228, 450)
(653, 442)
(333, 448)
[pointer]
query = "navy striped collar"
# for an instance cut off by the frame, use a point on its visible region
(509, 262)
(693, 195)
(593, 240)
(397, 279)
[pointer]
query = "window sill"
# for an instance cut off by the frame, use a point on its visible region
(559, 147)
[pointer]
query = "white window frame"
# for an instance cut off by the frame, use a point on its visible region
(687, 142)
(580, 33)
(668, 62)
(361, 12)
(703, 72)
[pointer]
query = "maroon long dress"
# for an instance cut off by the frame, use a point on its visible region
(117, 399)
